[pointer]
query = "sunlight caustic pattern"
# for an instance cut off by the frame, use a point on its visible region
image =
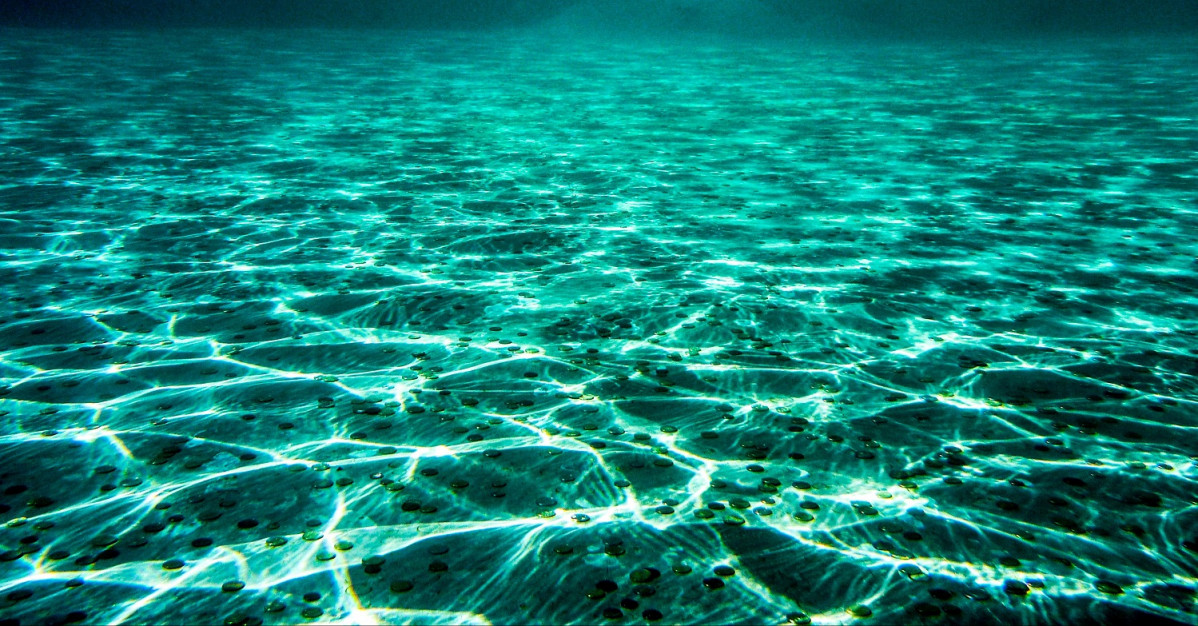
(361, 328)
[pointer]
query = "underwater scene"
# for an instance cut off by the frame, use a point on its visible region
(507, 327)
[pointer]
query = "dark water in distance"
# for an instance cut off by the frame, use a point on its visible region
(852, 18)
(351, 326)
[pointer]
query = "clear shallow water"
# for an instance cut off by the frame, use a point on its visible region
(495, 328)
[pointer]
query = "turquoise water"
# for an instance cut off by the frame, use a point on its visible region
(332, 326)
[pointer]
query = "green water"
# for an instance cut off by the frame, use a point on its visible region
(494, 328)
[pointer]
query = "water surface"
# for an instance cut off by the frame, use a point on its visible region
(499, 328)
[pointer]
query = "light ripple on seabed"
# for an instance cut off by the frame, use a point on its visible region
(455, 329)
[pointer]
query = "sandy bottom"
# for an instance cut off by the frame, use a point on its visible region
(351, 327)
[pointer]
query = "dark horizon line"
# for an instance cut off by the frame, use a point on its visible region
(845, 17)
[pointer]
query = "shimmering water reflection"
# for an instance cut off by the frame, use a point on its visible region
(320, 326)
